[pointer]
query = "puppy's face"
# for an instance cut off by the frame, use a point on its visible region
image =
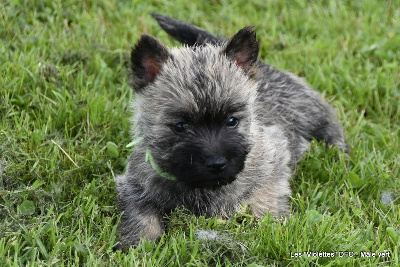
(206, 145)
(195, 107)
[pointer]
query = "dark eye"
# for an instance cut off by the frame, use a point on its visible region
(232, 122)
(180, 127)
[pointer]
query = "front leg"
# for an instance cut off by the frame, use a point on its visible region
(139, 222)
(270, 166)
(139, 219)
(270, 198)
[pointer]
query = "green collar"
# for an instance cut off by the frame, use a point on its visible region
(166, 175)
(150, 159)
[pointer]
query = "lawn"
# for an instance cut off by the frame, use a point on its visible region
(64, 94)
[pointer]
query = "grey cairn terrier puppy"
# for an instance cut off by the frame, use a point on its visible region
(217, 129)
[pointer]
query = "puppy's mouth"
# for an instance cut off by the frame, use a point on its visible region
(214, 172)
(211, 182)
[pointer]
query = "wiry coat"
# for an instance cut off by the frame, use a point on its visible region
(202, 85)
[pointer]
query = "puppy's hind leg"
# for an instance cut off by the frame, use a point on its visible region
(331, 132)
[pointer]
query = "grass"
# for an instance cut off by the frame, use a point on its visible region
(64, 94)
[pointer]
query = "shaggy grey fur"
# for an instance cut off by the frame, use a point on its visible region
(228, 127)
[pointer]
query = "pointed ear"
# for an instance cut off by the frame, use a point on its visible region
(147, 59)
(243, 48)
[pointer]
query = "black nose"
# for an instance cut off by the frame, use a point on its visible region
(216, 164)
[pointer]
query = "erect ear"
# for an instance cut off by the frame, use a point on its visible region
(147, 59)
(243, 48)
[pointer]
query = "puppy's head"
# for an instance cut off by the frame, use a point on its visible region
(195, 106)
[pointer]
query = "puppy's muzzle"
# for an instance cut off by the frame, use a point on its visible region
(216, 164)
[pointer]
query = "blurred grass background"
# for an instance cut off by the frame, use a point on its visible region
(64, 93)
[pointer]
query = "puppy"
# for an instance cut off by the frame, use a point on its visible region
(217, 129)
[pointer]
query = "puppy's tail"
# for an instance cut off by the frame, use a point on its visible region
(186, 33)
